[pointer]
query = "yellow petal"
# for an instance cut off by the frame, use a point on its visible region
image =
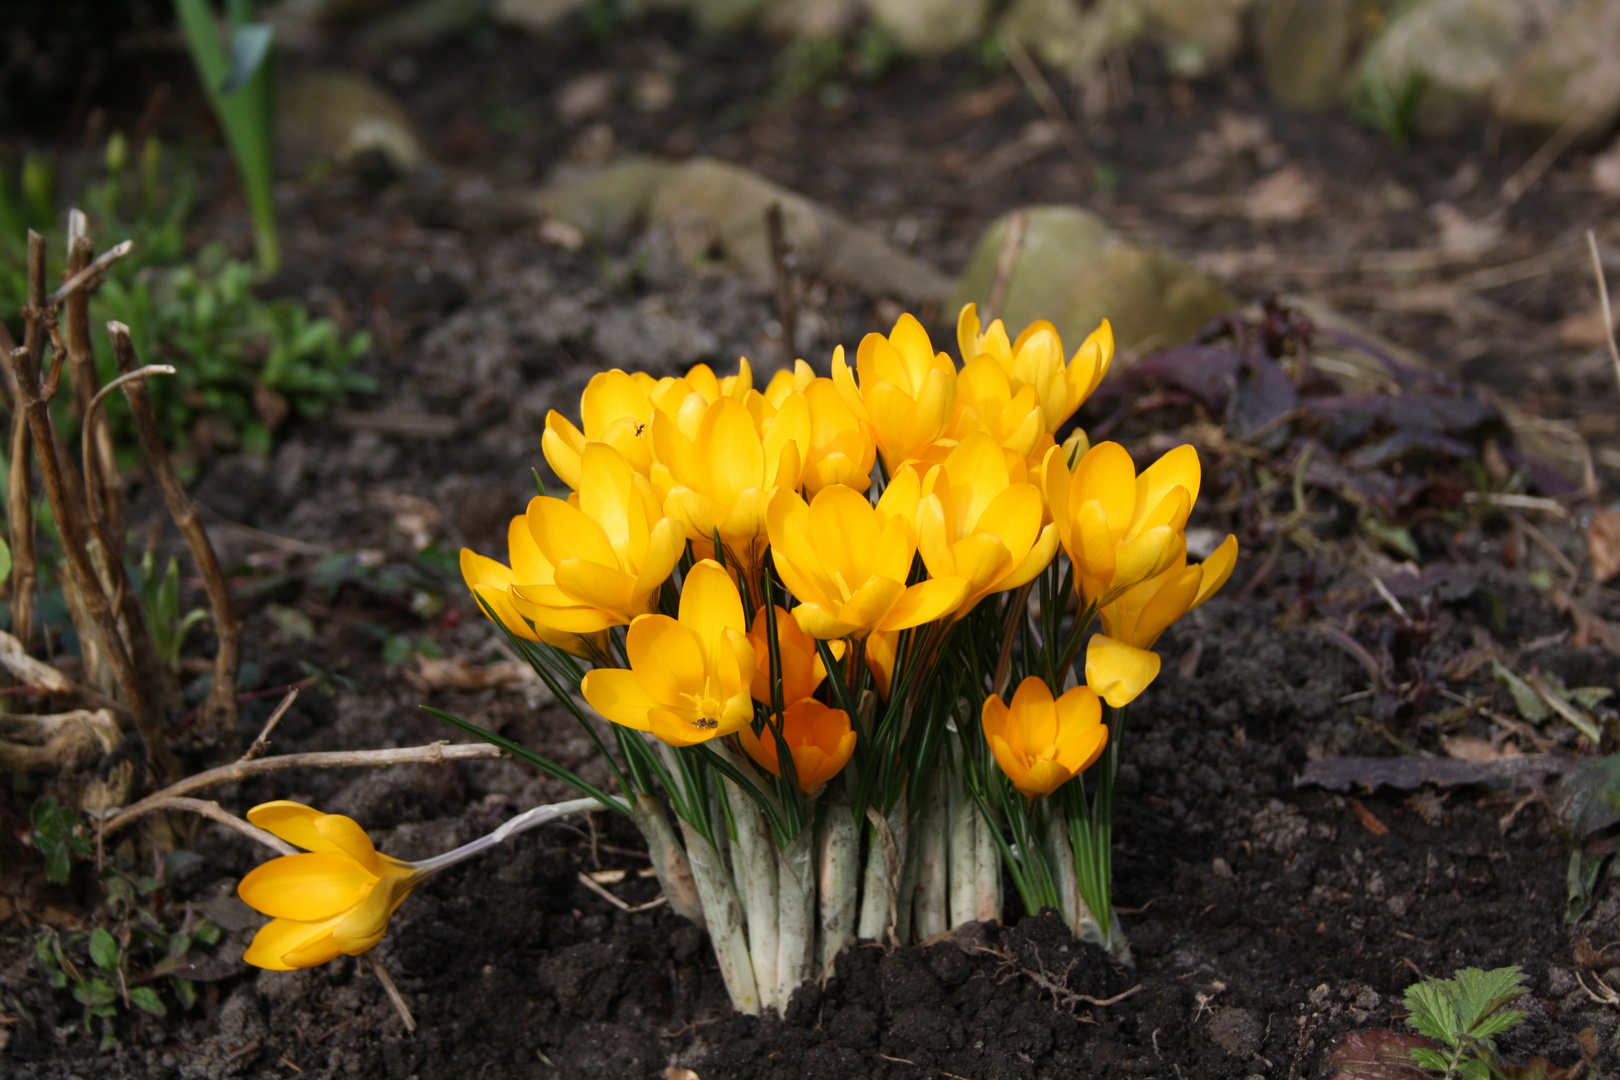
(710, 605)
(368, 922)
(1216, 569)
(924, 602)
(295, 823)
(561, 443)
(666, 656)
(821, 623)
(280, 939)
(607, 589)
(1177, 468)
(618, 695)
(1119, 672)
(1042, 778)
(306, 887)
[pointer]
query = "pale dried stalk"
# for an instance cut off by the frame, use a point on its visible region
(964, 870)
(60, 742)
(930, 839)
(208, 809)
(70, 527)
(724, 917)
(839, 884)
(1603, 301)
(89, 273)
(19, 506)
(668, 859)
(796, 917)
(104, 485)
(393, 993)
(754, 868)
(219, 711)
(30, 672)
(241, 770)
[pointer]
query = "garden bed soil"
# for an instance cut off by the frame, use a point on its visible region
(1266, 920)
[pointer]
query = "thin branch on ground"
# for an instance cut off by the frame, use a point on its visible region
(1041, 90)
(628, 909)
(786, 307)
(219, 712)
(262, 743)
(1603, 302)
(1011, 247)
(83, 277)
(241, 770)
(208, 809)
(394, 995)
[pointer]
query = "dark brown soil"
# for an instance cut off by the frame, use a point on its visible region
(1266, 920)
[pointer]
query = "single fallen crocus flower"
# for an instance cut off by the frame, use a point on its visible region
(1042, 744)
(334, 899)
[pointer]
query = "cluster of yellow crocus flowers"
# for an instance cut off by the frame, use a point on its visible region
(975, 487)
(895, 494)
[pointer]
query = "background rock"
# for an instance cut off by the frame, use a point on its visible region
(1199, 35)
(1449, 54)
(1072, 270)
(1062, 36)
(709, 205)
(335, 116)
(1573, 68)
(1305, 46)
(928, 27)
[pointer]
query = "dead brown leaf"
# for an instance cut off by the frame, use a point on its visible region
(1603, 541)
(1583, 330)
(1286, 195)
(1590, 627)
(1469, 748)
(459, 673)
(1368, 819)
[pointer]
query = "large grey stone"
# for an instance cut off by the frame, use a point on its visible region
(1449, 54)
(334, 116)
(726, 204)
(1072, 270)
(929, 27)
(1571, 74)
(1305, 47)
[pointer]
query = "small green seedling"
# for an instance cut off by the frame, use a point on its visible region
(1465, 1013)
(58, 835)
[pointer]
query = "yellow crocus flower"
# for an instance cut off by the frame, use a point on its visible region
(986, 401)
(1035, 361)
(617, 407)
(975, 523)
(787, 381)
(335, 899)
(720, 463)
(819, 737)
(492, 582)
(689, 678)
(1042, 744)
(1120, 663)
(847, 561)
(801, 665)
(906, 392)
(605, 551)
(1119, 528)
(842, 446)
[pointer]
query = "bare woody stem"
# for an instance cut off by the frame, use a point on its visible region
(241, 770)
(26, 371)
(104, 488)
(19, 507)
(219, 711)
(213, 812)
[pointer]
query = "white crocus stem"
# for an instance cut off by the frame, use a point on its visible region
(839, 884)
(987, 869)
(724, 918)
(796, 917)
(668, 858)
(964, 870)
(1060, 856)
(931, 880)
(884, 863)
(753, 863)
(526, 820)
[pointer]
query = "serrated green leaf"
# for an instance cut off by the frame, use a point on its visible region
(104, 950)
(146, 999)
(1431, 1011)
(1479, 993)
(1496, 1023)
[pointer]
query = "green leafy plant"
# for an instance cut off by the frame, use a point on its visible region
(108, 971)
(160, 604)
(237, 76)
(58, 835)
(1390, 109)
(1465, 1013)
(237, 358)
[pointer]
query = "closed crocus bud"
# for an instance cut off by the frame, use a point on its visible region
(1119, 528)
(802, 668)
(336, 899)
(609, 549)
(1120, 663)
(987, 402)
(976, 524)
(906, 391)
(787, 381)
(820, 739)
(719, 464)
(842, 446)
(1035, 362)
(689, 678)
(1042, 744)
(848, 561)
(492, 583)
(881, 649)
(615, 408)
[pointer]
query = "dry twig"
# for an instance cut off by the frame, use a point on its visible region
(1011, 246)
(219, 712)
(19, 507)
(1603, 301)
(241, 770)
(26, 366)
(786, 308)
(262, 743)
(1047, 99)
(394, 995)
